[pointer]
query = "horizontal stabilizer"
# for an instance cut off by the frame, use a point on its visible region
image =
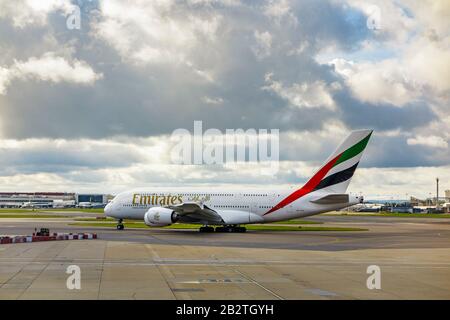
(332, 198)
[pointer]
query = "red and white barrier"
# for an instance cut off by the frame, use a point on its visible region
(55, 236)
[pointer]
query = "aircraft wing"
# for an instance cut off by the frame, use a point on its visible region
(196, 211)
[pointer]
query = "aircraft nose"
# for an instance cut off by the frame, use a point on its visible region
(108, 209)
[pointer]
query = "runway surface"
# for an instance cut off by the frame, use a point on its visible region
(412, 253)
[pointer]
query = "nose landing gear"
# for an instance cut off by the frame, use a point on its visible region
(120, 225)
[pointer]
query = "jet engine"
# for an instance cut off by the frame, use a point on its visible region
(159, 217)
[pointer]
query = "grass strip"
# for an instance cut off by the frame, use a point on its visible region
(31, 216)
(395, 215)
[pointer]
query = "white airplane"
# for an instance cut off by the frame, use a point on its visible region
(90, 205)
(228, 209)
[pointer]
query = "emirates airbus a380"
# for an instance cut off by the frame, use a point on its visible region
(228, 210)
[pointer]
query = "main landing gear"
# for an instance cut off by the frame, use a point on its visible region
(120, 225)
(227, 228)
(231, 228)
(206, 229)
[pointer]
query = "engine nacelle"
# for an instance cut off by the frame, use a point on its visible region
(159, 217)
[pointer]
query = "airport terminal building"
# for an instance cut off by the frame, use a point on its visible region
(51, 200)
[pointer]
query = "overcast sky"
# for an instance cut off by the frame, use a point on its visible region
(92, 109)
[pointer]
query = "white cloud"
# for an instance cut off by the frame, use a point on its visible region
(395, 24)
(380, 82)
(36, 181)
(280, 11)
(399, 183)
(429, 141)
(301, 95)
(422, 69)
(299, 49)
(52, 68)
(48, 67)
(153, 32)
(230, 3)
(432, 14)
(33, 12)
(277, 8)
(214, 101)
(4, 79)
(396, 182)
(114, 165)
(317, 144)
(264, 44)
(417, 35)
(428, 63)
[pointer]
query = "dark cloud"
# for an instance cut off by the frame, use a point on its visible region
(382, 117)
(394, 151)
(62, 157)
(155, 99)
(140, 100)
(326, 23)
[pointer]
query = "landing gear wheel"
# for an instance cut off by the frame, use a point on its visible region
(231, 229)
(206, 229)
(120, 225)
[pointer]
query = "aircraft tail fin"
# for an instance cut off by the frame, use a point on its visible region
(335, 174)
(337, 171)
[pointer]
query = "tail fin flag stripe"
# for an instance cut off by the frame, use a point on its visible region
(337, 177)
(318, 181)
(354, 150)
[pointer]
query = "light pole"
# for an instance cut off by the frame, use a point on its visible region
(437, 194)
